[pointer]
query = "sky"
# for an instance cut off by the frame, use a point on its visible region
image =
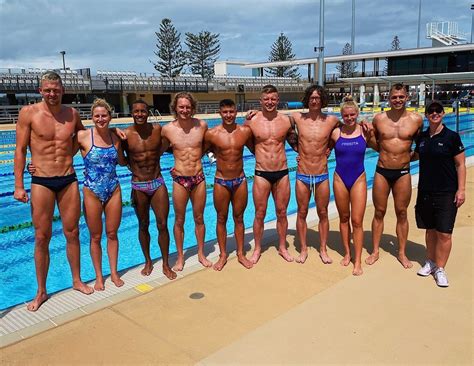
(118, 35)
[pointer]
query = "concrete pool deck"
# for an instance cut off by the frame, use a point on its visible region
(281, 313)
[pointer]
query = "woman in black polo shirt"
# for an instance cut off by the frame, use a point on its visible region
(441, 190)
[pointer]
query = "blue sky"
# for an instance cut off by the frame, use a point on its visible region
(119, 35)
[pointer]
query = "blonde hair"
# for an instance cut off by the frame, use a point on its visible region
(187, 96)
(348, 102)
(51, 76)
(99, 102)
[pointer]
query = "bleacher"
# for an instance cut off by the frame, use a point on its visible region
(9, 113)
(213, 107)
(28, 80)
(255, 83)
(131, 81)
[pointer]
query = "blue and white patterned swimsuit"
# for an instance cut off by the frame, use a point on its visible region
(99, 170)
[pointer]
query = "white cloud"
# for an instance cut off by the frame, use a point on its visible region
(122, 37)
(227, 36)
(133, 21)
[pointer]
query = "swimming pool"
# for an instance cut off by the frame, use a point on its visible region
(17, 271)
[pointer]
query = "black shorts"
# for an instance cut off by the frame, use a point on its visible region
(436, 211)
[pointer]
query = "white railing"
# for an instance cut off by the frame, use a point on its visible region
(445, 32)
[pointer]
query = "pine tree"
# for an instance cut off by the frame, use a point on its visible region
(171, 58)
(346, 68)
(395, 46)
(282, 50)
(203, 49)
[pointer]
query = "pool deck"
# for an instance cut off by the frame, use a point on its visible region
(275, 313)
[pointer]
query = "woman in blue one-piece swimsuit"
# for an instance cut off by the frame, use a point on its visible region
(101, 151)
(350, 185)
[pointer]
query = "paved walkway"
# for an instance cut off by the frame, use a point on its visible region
(284, 313)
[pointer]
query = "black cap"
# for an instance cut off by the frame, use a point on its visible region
(433, 104)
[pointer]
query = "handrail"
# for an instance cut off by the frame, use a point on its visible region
(155, 114)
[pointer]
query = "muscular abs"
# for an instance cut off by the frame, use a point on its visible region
(187, 147)
(144, 154)
(313, 140)
(395, 140)
(270, 139)
(51, 144)
(228, 148)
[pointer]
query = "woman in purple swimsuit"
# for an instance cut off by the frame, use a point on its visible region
(350, 185)
(101, 151)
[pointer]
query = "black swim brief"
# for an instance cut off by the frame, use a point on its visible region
(55, 184)
(272, 177)
(392, 175)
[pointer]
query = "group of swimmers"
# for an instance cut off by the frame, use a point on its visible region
(55, 133)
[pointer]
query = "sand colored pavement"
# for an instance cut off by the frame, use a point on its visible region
(285, 313)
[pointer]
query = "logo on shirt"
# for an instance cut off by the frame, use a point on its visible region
(440, 144)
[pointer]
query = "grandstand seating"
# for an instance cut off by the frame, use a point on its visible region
(28, 80)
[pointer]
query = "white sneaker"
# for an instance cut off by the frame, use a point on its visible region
(441, 278)
(428, 268)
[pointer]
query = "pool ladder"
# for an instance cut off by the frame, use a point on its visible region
(157, 117)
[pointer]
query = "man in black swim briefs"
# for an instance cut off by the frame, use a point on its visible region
(270, 130)
(395, 131)
(47, 128)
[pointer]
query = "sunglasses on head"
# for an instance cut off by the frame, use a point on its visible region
(436, 109)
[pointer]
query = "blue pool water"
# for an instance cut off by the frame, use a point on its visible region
(17, 271)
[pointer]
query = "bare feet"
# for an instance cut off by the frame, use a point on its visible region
(244, 261)
(357, 271)
(204, 261)
(220, 263)
(302, 257)
(37, 301)
(168, 272)
(82, 287)
(325, 257)
(117, 280)
(255, 256)
(179, 265)
(99, 284)
(371, 259)
(404, 261)
(146, 271)
(346, 260)
(286, 256)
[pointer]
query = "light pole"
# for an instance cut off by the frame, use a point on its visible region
(321, 44)
(353, 47)
(64, 62)
(419, 24)
(472, 21)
